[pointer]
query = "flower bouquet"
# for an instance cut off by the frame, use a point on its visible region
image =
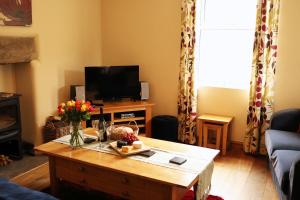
(74, 112)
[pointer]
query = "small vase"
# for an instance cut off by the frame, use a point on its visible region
(76, 134)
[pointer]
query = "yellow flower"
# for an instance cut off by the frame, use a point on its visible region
(62, 105)
(69, 103)
(83, 108)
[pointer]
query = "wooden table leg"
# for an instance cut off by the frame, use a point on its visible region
(177, 193)
(53, 179)
(200, 131)
(224, 142)
(195, 187)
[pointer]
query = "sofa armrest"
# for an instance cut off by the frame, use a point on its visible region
(294, 192)
(14, 191)
(286, 120)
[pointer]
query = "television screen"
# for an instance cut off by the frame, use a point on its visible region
(112, 82)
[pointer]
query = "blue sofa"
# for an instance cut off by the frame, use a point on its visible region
(11, 191)
(283, 147)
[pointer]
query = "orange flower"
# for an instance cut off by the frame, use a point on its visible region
(77, 102)
(75, 110)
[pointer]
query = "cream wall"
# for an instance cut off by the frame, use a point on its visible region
(117, 32)
(146, 33)
(69, 38)
(287, 88)
(7, 78)
(228, 102)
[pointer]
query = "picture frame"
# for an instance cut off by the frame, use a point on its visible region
(15, 12)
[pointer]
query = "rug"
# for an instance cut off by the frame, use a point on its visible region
(190, 196)
(212, 197)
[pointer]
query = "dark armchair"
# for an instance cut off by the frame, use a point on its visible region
(286, 120)
(283, 146)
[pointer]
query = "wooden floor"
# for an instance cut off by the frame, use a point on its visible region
(37, 179)
(236, 176)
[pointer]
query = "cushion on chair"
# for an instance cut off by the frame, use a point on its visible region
(11, 191)
(282, 161)
(286, 120)
(279, 140)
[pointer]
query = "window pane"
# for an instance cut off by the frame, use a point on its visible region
(230, 13)
(225, 58)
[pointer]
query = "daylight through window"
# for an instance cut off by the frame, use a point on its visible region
(225, 36)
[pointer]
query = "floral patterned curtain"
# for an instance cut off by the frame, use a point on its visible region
(187, 96)
(263, 72)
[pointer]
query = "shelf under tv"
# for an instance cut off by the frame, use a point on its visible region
(142, 111)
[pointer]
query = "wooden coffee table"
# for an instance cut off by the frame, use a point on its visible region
(124, 177)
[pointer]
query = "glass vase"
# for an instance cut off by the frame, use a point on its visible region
(76, 139)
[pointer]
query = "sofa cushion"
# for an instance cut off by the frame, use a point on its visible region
(281, 161)
(286, 120)
(281, 140)
(11, 191)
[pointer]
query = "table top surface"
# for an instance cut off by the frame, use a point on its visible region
(216, 118)
(125, 165)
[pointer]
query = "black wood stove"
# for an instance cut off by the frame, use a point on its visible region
(10, 125)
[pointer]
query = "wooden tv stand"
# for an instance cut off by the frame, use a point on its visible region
(141, 109)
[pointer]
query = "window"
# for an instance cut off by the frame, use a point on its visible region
(225, 36)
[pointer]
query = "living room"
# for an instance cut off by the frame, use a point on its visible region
(73, 34)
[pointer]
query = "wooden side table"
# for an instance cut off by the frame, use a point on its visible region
(223, 121)
(218, 130)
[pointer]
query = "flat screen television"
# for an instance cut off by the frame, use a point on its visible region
(112, 82)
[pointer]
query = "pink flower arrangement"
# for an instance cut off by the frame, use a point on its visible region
(75, 111)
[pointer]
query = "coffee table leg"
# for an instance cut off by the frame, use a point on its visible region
(195, 187)
(177, 193)
(53, 179)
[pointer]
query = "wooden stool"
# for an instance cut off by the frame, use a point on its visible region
(218, 131)
(222, 121)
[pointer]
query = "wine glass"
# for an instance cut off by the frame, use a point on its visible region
(100, 133)
(95, 125)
